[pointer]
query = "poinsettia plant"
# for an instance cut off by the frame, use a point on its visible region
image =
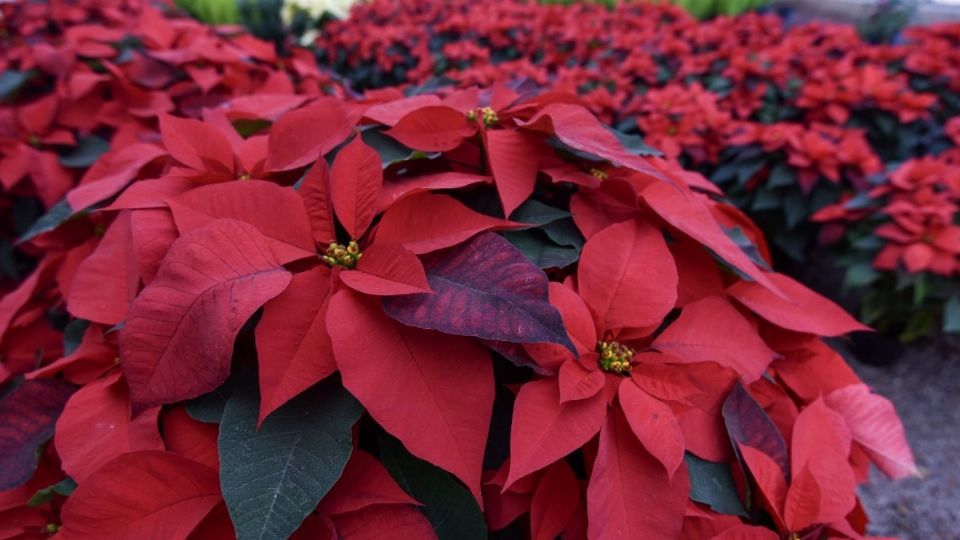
(786, 118)
(900, 246)
(81, 80)
(427, 316)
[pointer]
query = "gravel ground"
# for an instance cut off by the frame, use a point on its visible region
(925, 387)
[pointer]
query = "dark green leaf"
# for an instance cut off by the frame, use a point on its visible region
(781, 175)
(712, 484)
(765, 199)
(64, 487)
(747, 246)
(860, 275)
(448, 505)
(725, 173)
(11, 81)
(537, 213)
(86, 152)
(921, 324)
(274, 477)
(749, 169)
(795, 208)
(541, 250)
(73, 335)
(793, 243)
(564, 232)
(634, 144)
(57, 214)
(390, 150)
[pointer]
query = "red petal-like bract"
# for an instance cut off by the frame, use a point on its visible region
(387, 270)
(554, 503)
(299, 137)
(427, 222)
(277, 212)
(484, 288)
(142, 496)
(514, 166)
(355, 183)
(627, 276)
(801, 309)
(544, 430)
(432, 391)
(822, 477)
(384, 522)
(432, 129)
(96, 427)
(713, 330)
(111, 173)
(630, 495)
(108, 279)
(197, 144)
(293, 347)
(654, 424)
(27, 417)
(315, 191)
(365, 482)
(178, 339)
(874, 424)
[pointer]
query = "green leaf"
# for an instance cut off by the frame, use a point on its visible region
(747, 170)
(274, 477)
(64, 487)
(747, 246)
(11, 81)
(725, 173)
(448, 505)
(795, 208)
(781, 176)
(860, 275)
(712, 484)
(57, 214)
(564, 232)
(765, 199)
(537, 213)
(73, 335)
(390, 150)
(951, 315)
(634, 143)
(921, 324)
(541, 250)
(85, 153)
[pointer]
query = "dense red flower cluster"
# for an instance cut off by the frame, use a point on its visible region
(266, 313)
(84, 78)
(787, 119)
(907, 226)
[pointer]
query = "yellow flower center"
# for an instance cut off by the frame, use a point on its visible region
(340, 255)
(486, 114)
(599, 174)
(615, 357)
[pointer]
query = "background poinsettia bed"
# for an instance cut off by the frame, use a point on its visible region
(271, 313)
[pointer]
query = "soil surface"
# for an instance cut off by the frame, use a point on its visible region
(925, 387)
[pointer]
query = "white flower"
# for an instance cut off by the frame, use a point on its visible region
(315, 9)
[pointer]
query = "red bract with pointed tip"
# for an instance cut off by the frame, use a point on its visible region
(399, 317)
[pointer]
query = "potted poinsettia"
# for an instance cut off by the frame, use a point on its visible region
(430, 316)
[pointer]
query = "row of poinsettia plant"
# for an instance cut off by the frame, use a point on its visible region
(268, 313)
(84, 80)
(905, 234)
(788, 120)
